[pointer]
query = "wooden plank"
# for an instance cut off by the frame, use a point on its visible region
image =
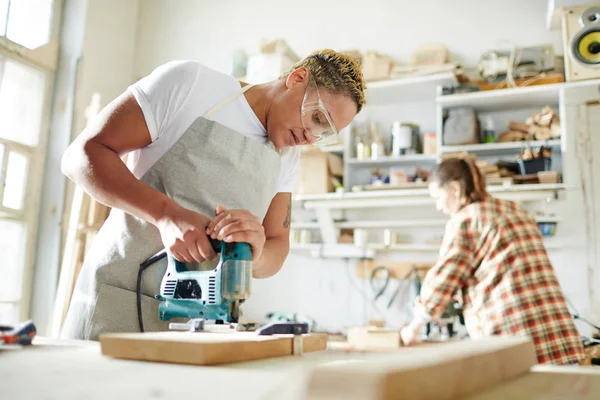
(398, 270)
(445, 371)
(204, 348)
(71, 257)
(373, 338)
(548, 383)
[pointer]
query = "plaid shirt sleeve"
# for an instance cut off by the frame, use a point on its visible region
(449, 274)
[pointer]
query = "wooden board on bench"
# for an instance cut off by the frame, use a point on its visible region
(204, 348)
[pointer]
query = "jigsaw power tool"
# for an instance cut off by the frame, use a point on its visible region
(207, 295)
(211, 295)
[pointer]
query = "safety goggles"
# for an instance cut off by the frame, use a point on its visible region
(315, 118)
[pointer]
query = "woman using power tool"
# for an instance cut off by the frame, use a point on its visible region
(197, 139)
(494, 255)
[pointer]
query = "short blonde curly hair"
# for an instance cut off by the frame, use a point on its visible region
(337, 72)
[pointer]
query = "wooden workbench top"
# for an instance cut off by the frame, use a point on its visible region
(58, 370)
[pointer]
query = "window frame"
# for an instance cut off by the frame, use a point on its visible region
(43, 59)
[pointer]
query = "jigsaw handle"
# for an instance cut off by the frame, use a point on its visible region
(229, 251)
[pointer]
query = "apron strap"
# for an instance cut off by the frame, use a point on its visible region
(226, 101)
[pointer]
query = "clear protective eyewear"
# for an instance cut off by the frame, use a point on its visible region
(315, 118)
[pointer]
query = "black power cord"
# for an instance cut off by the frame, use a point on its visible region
(158, 256)
(576, 315)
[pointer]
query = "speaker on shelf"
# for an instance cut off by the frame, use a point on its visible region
(581, 42)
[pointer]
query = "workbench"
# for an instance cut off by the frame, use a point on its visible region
(70, 370)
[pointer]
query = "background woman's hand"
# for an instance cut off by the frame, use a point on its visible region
(238, 226)
(183, 233)
(410, 333)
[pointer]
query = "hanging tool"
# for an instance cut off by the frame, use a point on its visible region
(21, 334)
(386, 281)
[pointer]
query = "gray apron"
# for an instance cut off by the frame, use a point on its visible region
(209, 165)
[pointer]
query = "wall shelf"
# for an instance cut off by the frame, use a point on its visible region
(485, 148)
(320, 250)
(504, 99)
(415, 223)
(387, 198)
(393, 160)
(513, 98)
(415, 89)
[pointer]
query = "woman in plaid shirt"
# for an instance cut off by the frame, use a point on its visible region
(493, 253)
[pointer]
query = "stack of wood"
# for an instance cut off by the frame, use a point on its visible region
(493, 174)
(544, 125)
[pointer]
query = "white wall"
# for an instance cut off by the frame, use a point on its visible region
(107, 59)
(210, 31)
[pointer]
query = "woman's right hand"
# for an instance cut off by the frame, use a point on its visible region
(183, 233)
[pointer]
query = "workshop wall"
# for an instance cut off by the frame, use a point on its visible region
(210, 32)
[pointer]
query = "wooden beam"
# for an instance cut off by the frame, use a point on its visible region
(443, 371)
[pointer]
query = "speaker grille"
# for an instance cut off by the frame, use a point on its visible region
(585, 46)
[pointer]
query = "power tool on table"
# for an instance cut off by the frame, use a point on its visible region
(212, 295)
(448, 319)
(208, 295)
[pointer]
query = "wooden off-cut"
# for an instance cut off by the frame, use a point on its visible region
(204, 348)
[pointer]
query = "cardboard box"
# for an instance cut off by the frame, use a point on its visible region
(317, 170)
(376, 66)
(267, 67)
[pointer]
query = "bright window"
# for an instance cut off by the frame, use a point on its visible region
(26, 22)
(24, 111)
(21, 102)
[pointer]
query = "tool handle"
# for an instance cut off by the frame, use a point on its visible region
(20, 334)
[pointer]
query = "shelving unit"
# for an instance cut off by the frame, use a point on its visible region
(402, 100)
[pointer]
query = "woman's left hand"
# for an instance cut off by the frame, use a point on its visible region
(238, 226)
(409, 334)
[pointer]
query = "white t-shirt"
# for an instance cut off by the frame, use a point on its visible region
(175, 94)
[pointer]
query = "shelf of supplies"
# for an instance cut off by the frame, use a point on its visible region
(393, 160)
(417, 197)
(415, 89)
(498, 147)
(504, 99)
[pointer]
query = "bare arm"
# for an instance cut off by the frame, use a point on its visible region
(93, 162)
(277, 232)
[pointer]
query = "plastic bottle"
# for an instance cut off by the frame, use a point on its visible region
(489, 134)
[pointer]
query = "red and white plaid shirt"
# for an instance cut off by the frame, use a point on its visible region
(493, 252)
